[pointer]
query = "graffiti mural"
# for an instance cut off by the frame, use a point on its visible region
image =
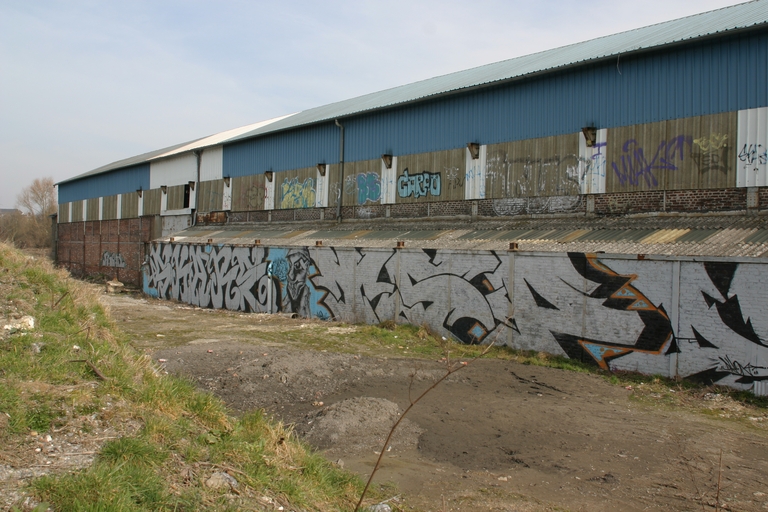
(250, 279)
(298, 195)
(611, 312)
(616, 292)
(368, 188)
(109, 259)
(711, 153)
(635, 167)
(419, 185)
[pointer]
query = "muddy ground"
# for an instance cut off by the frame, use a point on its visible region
(495, 435)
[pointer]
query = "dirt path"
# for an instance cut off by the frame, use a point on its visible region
(496, 435)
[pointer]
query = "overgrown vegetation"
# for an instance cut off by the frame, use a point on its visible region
(157, 439)
(30, 224)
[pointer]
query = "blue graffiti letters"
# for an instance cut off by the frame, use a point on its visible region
(418, 185)
(636, 166)
(368, 188)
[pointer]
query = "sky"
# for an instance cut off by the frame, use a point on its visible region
(84, 83)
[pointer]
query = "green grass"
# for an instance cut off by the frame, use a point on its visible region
(75, 366)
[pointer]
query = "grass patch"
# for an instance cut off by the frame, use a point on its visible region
(75, 372)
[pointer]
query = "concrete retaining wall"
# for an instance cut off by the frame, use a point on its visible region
(700, 318)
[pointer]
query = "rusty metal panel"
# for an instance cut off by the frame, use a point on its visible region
(248, 193)
(693, 152)
(109, 208)
(362, 182)
(210, 196)
(63, 213)
(295, 188)
(129, 205)
(427, 177)
(546, 166)
(152, 202)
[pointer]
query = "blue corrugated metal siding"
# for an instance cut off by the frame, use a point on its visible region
(704, 79)
(120, 181)
(296, 149)
(707, 78)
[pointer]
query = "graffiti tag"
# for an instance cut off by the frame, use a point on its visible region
(418, 185)
(109, 259)
(634, 165)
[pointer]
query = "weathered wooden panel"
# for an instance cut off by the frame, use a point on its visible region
(92, 210)
(129, 204)
(332, 173)
(77, 211)
(437, 176)
(210, 195)
(109, 208)
(152, 201)
(694, 152)
(177, 197)
(248, 193)
(295, 188)
(63, 213)
(535, 167)
(362, 182)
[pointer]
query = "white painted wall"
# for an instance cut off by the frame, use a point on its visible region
(212, 164)
(389, 182)
(750, 151)
(176, 170)
(474, 177)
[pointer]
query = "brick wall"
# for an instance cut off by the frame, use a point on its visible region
(684, 201)
(105, 249)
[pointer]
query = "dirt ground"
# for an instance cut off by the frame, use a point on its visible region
(496, 435)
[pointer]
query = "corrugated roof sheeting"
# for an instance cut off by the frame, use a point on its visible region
(125, 163)
(127, 179)
(618, 88)
(651, 88)
(737, 240)
(710, 23)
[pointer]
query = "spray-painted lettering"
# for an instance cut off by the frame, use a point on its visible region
(109, 259)
(419, 185)
(634, 166)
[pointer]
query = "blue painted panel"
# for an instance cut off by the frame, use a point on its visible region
(305, 147)
(120, 181)
(699, 80)
(706, 78)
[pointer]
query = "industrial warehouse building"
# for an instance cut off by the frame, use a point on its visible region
(477, 202)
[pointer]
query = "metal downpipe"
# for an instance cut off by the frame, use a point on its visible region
(341, 176)
(199, 154)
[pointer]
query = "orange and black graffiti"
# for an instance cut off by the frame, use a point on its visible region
(617, 293)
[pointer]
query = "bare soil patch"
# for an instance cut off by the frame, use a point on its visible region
(496, 435)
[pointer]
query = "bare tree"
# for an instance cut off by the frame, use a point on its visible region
(33, 227)
(38, 199)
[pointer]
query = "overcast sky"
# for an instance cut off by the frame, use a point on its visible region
(84, 83)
